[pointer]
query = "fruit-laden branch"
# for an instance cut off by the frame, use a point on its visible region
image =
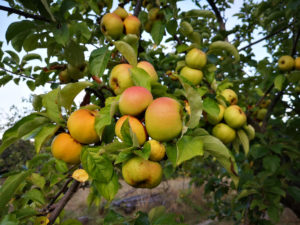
(218, 15)
(62, 203)
(137, 8)
(25, 14)
(266, 37)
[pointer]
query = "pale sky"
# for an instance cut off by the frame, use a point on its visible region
(12, 94)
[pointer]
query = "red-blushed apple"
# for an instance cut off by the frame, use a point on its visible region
(136, 126)
(163, 119)
(134, 100)
(141, 173)
(66, 148)
(195, 59)
(149, 68)
(120, 78)
(132, 25)
(234, 116)
(112, 25)
(193, 75)
(81, 125)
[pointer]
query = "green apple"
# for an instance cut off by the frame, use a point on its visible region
(120, 78)
(286, 63)
(112, 25)
(230, 96)
(158, 150)
(193, 75)
(121, 12)
(261, 114)
(134, 100)
(195, 59)
(64, 77)
(76, 72)
(136, 126)
(163, 119)
(225, 133)
(213, 119)
(141, 173)
(149, 68)
(234, 116)
(132, 25)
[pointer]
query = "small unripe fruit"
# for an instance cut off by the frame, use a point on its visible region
(225, 133)
(134, 100)
(64, 77)
(149, 68)
(120, 78)
(112, 25)
(230, 96)
(286, 63)
(136, 126)
(261, 114)
(81, 125)
(121, 12)
(66, 148)
(214, 120)
(132, 25)
(196, 59)
(152, 15)
(158, 150)
(163, 119)
(193, 75)
(234, 116)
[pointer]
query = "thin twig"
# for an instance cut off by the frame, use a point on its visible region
(25, 14)
(62, 203)
(137, 8)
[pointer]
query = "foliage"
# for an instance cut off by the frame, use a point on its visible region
(264, 174)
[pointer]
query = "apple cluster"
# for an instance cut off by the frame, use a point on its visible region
(288, 63)
(118, 23)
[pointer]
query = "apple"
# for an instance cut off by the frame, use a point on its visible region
(132, 25)
(66, 148)
(148, 67)
(153, 14)
(141, 173)
(163, 119)
(136, 126)
(260, 115)
(265, 103)
(134, 100)
(158, 150)
(76, 72)
(195, 59)
(297, 63)
(286, 63)
(234, 116)
(193, 75)
(121, 12)
(81, 125)
(224, 132)
(64, 77)
(230, 96)
(112, 25)
(120, 78)
(214, 120)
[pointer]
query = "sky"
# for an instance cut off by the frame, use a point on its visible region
(12, 94)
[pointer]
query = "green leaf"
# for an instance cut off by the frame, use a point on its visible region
(110, 189)
(156, 212)
(9, 219)
(31, 85)
(14, 56)
(246, 192)
(187, 148)
(17, 28)
(144, 152)
(211, 107)
(158, 31)
(9, 187)
(61, 34)
(70, 91)
(31, 56)
(97, 166)
(278, 82)
(125, 155)
(127, 134)
(47, 7)
(200, 13)
(294, 192)
(35, 195)
(271, 163)
(38, 180)
(98, 61)
(216, 148)
(171, 151)
(127, 51)
(83, 29)
(141, 78)
(74, 53)
(273, 213)
(71, 222)
(24, 126)
(53, 109)
(31, 42)
(294, 76)
(244, 140)
(44, 134)
(195, 102)
(172, 27)
(142, 219)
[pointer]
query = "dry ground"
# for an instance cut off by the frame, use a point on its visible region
(175, 195)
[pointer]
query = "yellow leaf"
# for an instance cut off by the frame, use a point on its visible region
(80, 175)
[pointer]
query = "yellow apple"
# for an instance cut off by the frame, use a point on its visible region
(158, 150)
(120, 78)
(148, 67)
(132, 25)
(234, 116)
(195, 59)
(230, 96)
(121, 12)
(112, 25)
(193, 75)
(225, 133)
(286, 63)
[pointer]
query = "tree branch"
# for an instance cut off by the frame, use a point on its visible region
(218, 15)
(137, 8)
(62, 203)
(27, 15)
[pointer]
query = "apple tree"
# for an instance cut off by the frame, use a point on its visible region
(166, 90)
